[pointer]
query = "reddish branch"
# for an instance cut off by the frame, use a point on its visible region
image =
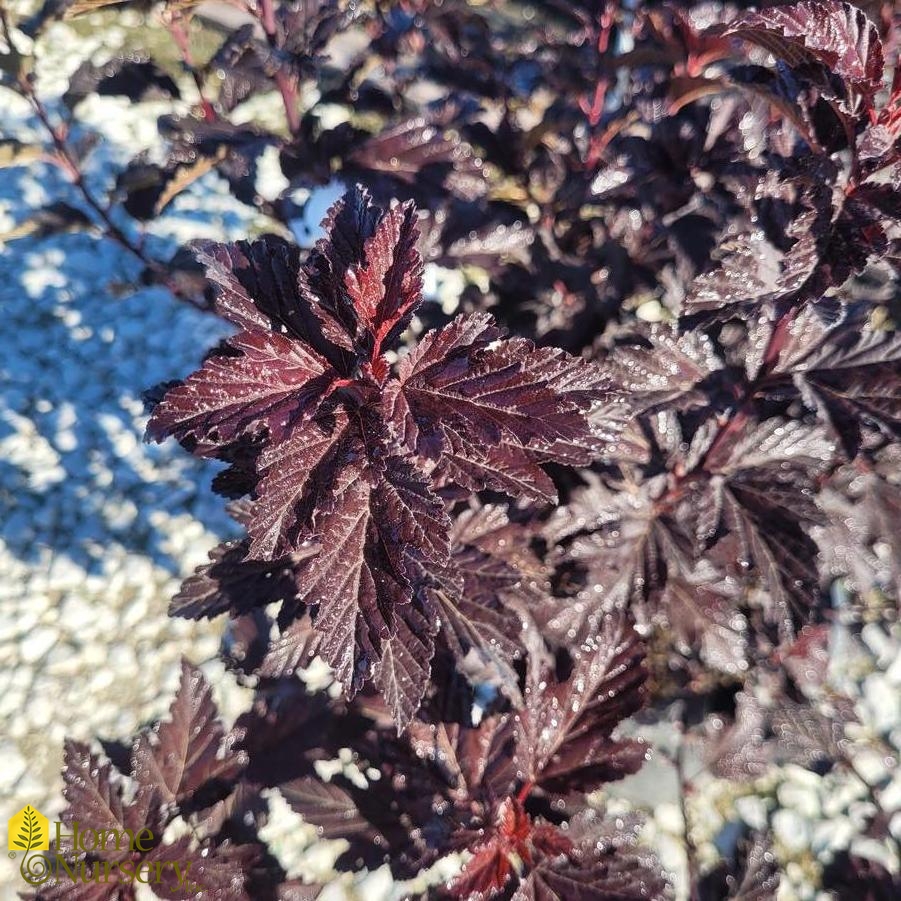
(594, 109)
(284, 81)
(175, 23)
(67, 159)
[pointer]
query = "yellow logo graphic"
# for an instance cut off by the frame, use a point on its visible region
(77, 855)
(29, 830)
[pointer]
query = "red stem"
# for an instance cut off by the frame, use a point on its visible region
(284, 81)
(67, 159)
(71, 165)
(182, 41)
(58, 134)
(595, 110)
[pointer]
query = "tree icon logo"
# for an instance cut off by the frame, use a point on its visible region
(29, 830)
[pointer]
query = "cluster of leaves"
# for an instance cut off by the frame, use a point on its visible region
(182, 770)
(347, 457)
(464, 524)
(508, 789)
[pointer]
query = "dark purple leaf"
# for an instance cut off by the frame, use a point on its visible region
(386, 289)
(258, 288)
(604, 865)
(218, 871)
(625, 545)
(327, 806)
(564, 736)
(416, 150)
(230, 583)
(849, 373)
(403, 674)
(96, 794)
(489, 410)
(666, 369)
(138, 78)
(293, 482)
(359, 578)
(838, 35)
(183, 754)
(342, 455)
(750, 268)
(260, 380)
(806, 736)
(760, 501)
(738, 751)
(752, 876)
(702, 612)
(295, 648)
(66, 890)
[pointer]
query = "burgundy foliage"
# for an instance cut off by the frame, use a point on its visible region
(631, 468)
(342, 450)
(186, 768)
